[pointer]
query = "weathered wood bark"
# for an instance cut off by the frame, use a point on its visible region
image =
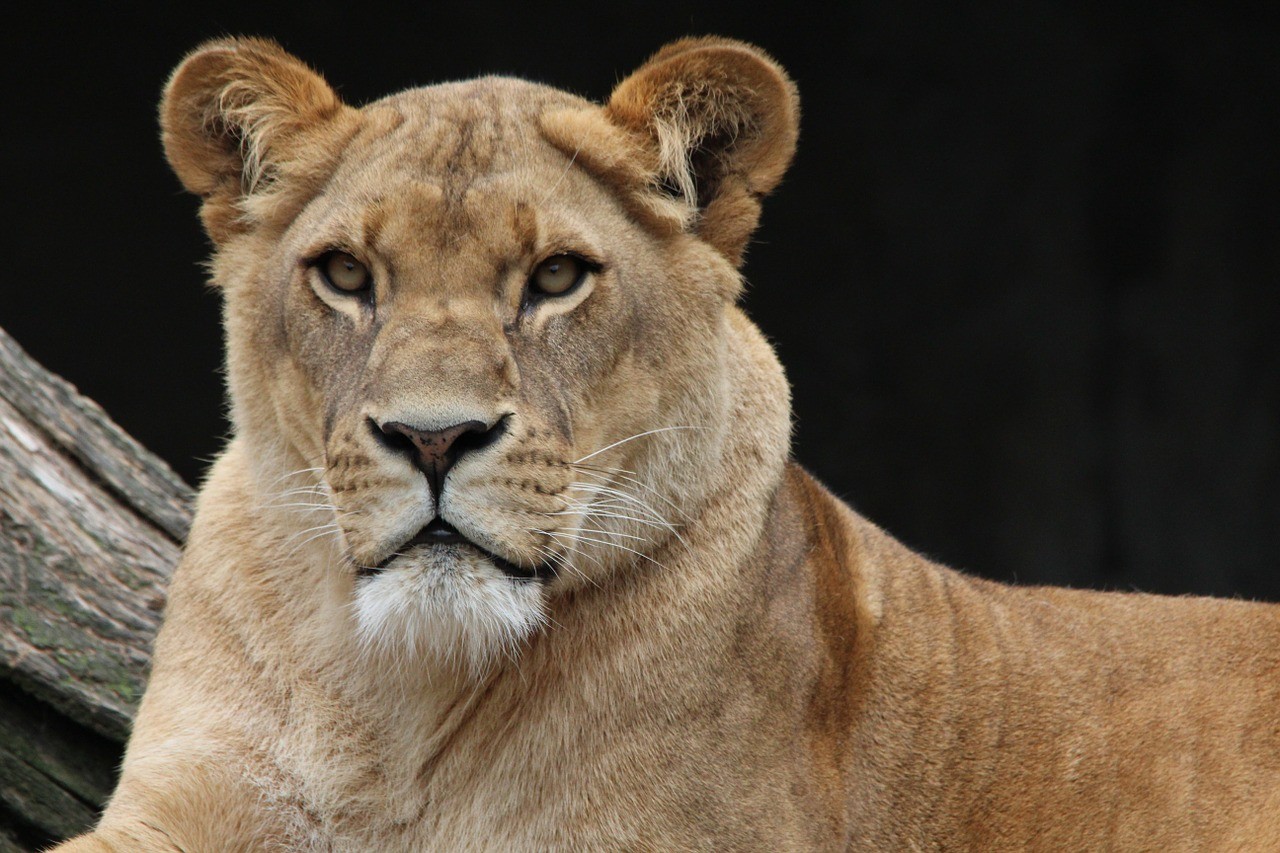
(90, 527)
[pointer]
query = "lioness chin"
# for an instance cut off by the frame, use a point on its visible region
(507, 551)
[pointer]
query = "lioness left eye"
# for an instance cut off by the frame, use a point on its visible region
(558, 274)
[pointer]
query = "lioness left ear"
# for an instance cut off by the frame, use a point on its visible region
(720, 119)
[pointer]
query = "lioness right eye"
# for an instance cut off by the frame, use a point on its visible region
(344, 273)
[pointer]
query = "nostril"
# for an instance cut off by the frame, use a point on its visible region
(480, 437)
(393, 440)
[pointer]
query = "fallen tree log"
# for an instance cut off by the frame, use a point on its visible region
(91, 525)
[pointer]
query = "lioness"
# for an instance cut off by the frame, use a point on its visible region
(507, 551)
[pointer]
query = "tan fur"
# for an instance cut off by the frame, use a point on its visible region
(728, 657)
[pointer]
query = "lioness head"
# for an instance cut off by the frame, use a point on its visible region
(479, 334)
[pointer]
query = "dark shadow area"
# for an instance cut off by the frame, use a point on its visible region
(55, 775)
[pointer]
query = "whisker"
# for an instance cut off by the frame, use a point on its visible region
(561, 560)
(332, 524)
(618, 533)
(622, 504)
(631, 438)
(600, 470)
(327, 532)
(558, 560)
(328, 528)
(579, 536)
(296, 473)
(596, 513)
(579, 552)
(556, 185)
(605, 502)
(624, 496)
(621, 473)
(568, 548)
(303, 490)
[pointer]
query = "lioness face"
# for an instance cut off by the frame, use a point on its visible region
(482, 355)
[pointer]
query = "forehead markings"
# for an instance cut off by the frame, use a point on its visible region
(373, 147)
(361, 151)
(407, 214)
(453, 139)
(454, 145)
(371, 223)
(379, 123)
(461, 135)
(500, 231)
(524, 227)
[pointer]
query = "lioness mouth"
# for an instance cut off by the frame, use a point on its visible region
(440, 533)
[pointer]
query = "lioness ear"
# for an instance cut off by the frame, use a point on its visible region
(249, 128)
(720, 118)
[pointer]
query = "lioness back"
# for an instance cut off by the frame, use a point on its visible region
(507, 551)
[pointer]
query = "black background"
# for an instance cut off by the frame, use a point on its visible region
(1023, 273)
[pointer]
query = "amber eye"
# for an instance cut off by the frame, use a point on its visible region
(558, 274)
(343, 272)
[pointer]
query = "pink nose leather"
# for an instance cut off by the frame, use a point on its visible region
(432, 451)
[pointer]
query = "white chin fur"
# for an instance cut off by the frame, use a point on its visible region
(450, 608)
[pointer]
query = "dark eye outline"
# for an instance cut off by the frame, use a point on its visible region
(533, 294)
(320, 264)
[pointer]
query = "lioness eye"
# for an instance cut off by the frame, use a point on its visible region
(343, 272)
(557, 274)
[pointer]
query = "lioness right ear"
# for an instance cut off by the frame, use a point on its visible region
(250, 129)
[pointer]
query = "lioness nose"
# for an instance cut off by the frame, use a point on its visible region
(434, 451)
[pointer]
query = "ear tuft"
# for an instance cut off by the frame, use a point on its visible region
(240, 114)
(719, 121)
